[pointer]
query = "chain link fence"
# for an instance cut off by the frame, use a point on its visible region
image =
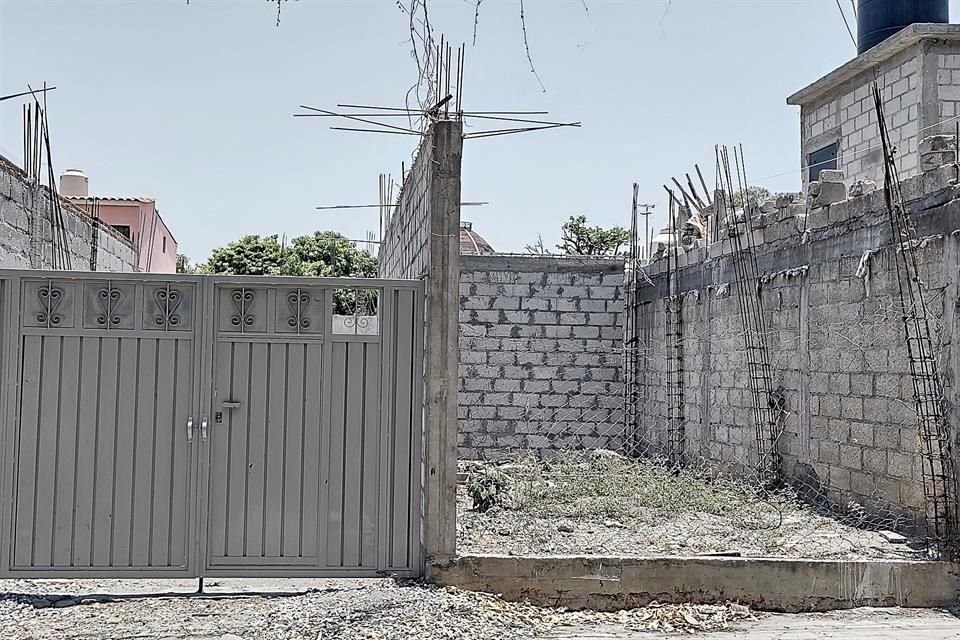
(659, 453)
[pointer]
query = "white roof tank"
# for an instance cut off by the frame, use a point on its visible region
(75, 183)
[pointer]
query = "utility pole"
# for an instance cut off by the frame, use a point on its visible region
(646, 213)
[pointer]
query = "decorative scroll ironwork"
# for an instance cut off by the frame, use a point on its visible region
(51, 298)
(243, 302)
(167, 301)
(355, 312)
(298, 301)
(107, 299)
(357, 323)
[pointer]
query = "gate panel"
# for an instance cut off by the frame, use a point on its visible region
(352, 458)
(185, 426)
(265, 428)
(264, 454)
(401, 452)
(102, 470)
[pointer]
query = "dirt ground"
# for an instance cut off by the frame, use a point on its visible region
(611, 505)
(799, 535)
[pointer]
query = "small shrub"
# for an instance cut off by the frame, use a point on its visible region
(488, 487)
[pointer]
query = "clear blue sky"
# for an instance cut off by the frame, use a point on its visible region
(192, 105)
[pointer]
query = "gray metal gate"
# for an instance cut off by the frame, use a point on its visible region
(207, 425)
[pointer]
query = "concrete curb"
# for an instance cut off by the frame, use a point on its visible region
(610, 583)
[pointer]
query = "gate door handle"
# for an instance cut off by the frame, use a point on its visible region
(231, 404)
(190, 429)
(203, 428)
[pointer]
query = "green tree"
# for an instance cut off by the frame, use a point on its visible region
(249, 256)
(578, 238)
(326, 253)
(321, 254)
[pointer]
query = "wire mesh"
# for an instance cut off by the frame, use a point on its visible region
(589, 464)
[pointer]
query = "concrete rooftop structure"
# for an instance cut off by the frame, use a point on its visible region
(918, 72)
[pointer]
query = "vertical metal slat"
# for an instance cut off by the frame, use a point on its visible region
(86, 455)
(106, 431)
(27, 462)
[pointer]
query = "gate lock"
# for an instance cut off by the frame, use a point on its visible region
(227, 404)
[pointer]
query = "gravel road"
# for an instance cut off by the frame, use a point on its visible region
(300, 609)
(855, 624)
(388, 610)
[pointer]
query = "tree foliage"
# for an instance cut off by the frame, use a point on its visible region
(755, 193)
(578, 238)
(321, 254)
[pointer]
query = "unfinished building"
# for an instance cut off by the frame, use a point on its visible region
(35, 234)
(812, 341)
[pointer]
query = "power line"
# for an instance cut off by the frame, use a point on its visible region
(372, 206)
(850, 155)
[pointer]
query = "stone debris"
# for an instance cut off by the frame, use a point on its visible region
(831, 175)
(769, 205)
(689, 618)
(862, 188)
(894, 537)
(829, 189)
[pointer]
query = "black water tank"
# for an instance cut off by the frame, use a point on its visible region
(877, 20)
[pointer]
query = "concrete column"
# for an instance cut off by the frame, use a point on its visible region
(951, 355)
(706, 309)
(803, 424)
(441, 338)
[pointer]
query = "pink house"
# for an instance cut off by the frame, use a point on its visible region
(136, 218)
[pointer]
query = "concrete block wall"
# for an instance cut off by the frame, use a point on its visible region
(405, 250)
(540, 355)
(422, 241)
(948, 88)
(847, 115)
(836, 343)
(20, 202)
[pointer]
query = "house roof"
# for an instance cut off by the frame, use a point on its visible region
(108, 199)
(472, 243)
(890, 47)
(114, 199)
(8, 166)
